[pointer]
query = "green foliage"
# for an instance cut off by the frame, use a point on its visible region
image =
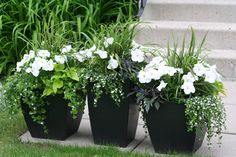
(206, 112)
(106, 80)
(19, 19)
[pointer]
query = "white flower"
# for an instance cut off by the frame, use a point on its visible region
(48, 65)
(156, 62)
(80, 57)
(188, 88)
(28, 70)
(179, 70)
(108, 41)
(161, 86)
(66, 49)
(154, 74)
(190, 78)
(113, 64)
(170, 70)
(211, 75)
(26, 58)
(102, 54)
(44, 53)
(137, 55)
(144, 77)
(38, 63)
(18, 66)
(199, 69)
(35, 72)
(61, 59)
(89, 53)
(32, 54)
(93, 48)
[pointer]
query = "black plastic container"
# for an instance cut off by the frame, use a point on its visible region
(59, 122)
(167, 128)
(112, 124)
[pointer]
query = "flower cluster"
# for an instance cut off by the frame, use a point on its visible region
(94, 52)
(200, 70)
(155, 70)
(42, 60)
(158, 67)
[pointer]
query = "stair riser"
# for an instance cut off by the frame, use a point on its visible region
(216, 39)
(190, 12)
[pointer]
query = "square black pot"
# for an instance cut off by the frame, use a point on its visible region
(59, 121)
(168, 130)
(112, 124)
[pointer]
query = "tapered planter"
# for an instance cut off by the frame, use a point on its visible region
(112, 124)
(167, 128)
(59, 122)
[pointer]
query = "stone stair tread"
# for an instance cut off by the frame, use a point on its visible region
(203, 2)
(183, 25)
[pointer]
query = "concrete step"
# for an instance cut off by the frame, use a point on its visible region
(219, 35)
(191, 10)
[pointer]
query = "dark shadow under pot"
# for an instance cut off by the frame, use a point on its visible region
(112, 124)
(59, 122)
(168, 130)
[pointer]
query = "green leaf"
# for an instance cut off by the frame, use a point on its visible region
(59, 67)
(57, 84)
(47, 91)
(72, 73)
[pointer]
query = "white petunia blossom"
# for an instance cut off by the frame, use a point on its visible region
(31, 54)
(188, 88)
(199, 69)
(161, 86)
(211, 75)
(113, 63)
(19, 66)
(44, 53)
(156, 62)
(137, 55)
(66, 49)
(144, 77)
(154, 74)
(35, 72)
(102, 54)
(93, 48)
(80, 57)
(48, 65)
(61, 59)
(190, 78)
(89, 53)
(170, 70)
(28, 70)
(108, 41)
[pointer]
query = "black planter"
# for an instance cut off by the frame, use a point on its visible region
(168, 130)
(112, 124)
(59, 122)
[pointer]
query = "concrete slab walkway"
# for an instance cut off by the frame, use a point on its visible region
(142, 143)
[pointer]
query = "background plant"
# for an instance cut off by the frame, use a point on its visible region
(19, 19)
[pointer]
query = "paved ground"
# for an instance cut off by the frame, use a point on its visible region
(142, 142)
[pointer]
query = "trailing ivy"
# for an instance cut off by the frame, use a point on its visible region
(207, 111)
